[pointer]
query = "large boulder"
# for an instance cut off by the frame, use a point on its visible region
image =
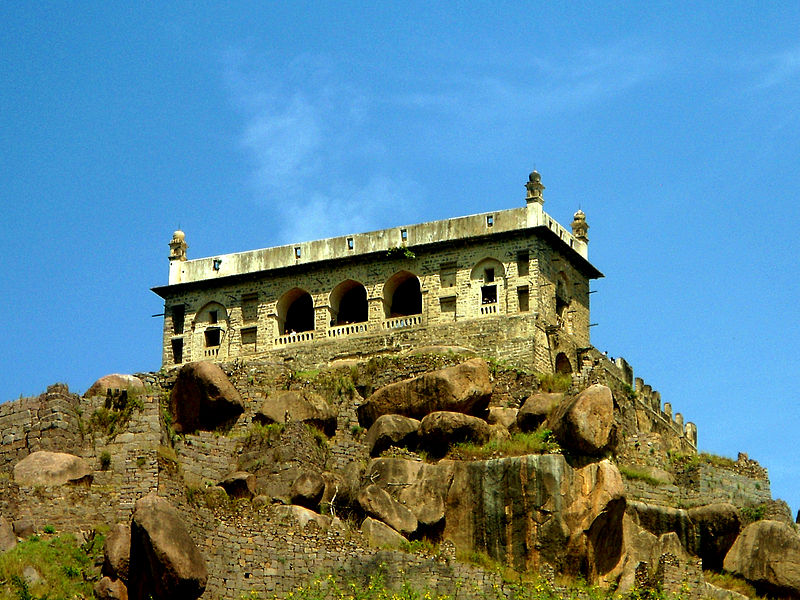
(115, 383)
(165, 562)
(717, 526)
(377, 503)
(110, 589)
(419, 486)
(299, 406)
(52, 468)
(391, 430)
(307, 489)
(527, 510)
(303, 516)
(439, 430)
(7, 538)
(203, 398)
(464, 388)
(659, 520)
(583, 424)
(767, 554)
(117, 552)
(380, 535)
(536, 409)
(505, 417)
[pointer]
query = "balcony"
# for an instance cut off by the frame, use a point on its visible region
(489, 309)
(294, 338)
(345, 330)
(402, 322)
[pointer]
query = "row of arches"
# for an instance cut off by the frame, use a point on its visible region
(402, 296)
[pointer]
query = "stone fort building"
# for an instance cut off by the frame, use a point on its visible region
(510, 284)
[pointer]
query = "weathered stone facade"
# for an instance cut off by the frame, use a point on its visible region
(511, 284)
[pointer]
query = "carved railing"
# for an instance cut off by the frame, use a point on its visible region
(294, 338)
(489, 309)
(401, 322)
(349, 329)
(209, 352)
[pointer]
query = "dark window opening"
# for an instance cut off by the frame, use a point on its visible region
(217, 264)
(523, 262)
(488, 275)
(447, 274)
(490, 221)
(561, 308)
(353, 306)
(297, 252)
(350, 243)
(213, 337)
(178, 318)
(250, 308)
(523, 298)
(404, 234)
(406, 299)
(213, 316)
(447, 304)
(488, 294)
(177, 350)
(563, 365)
(299, 315)
(249, 336)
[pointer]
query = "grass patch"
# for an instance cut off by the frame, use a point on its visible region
(731, 582)
(114, 417)
(717, 461)
(67, 569)
(258, 433)
(639, 475)
(554, 382)
(540, 441)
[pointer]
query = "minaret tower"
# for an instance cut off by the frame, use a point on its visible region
(177, 255)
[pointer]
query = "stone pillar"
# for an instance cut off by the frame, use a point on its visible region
(668, 410)
(655, 401)
(691, 433)
(679, 420)
(627, 370)
(638, 385)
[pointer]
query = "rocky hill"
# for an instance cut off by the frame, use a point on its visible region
(437, 468)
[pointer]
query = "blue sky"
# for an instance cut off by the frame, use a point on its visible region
(675, 127)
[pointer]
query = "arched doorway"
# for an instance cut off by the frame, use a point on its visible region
(488, 277)
(402, 295)
(210, 326)
(349, 303)
(563, 366)
(295, 312)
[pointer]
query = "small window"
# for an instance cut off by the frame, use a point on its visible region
(350, 244)
(523, 263)
(447, 274)
(488, 275)
(523, 298)
(249, 336)
(217, 263)
(404, 235)
(489, 294)
(178, 318)
(490, 220)
(297, 252)
(447, 305)
(213, 316)
(213, 336)
(177, 350)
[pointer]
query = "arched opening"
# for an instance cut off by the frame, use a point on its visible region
(211, 326)
(349, 303)
(563, 366)
(402, 295)
(488, 274)
(295, 312)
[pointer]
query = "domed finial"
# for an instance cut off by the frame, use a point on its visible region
(535, 188)
(178, 246)
(580, 229)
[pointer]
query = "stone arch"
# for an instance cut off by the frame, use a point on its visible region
(348, 302)
(563, 364)
(210, 326)
(489, 274)
(295, 312)
(402, 295)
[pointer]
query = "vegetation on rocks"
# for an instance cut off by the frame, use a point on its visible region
(50, 567)
(520, 444)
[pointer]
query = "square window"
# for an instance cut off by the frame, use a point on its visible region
(297, 252)
(250, 308)
(177, 350)
(489, 294)
(249, 336)
(404, 235)
(490, 221)
(447, 274)
(523, 298)
(217, 263)
(488, 275)
(447, 305)
(523, 263)
(350, 243)
(213, 316)
(213, 336)
(178, 318)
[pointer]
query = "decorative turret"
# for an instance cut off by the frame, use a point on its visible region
(178, 246)
(579, 227)
(535, 188)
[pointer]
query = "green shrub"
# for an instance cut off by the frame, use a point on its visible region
(105, 460)
(638, 475)
(554, 382)
(540, 441)
(49, 529)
